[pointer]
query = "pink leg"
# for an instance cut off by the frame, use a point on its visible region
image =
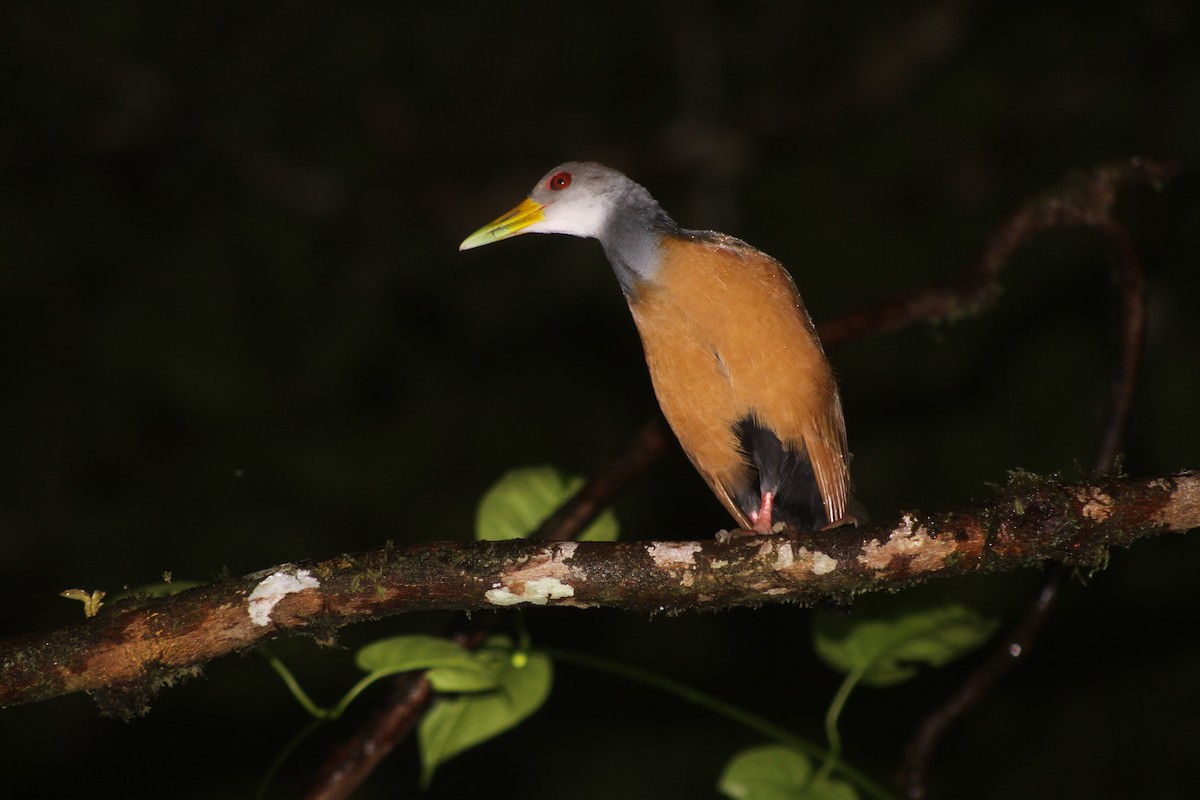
(762, 518)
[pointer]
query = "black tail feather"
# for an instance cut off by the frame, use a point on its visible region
(783, 470)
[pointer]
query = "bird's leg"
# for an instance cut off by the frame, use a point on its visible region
(762, 517)
(760, 520)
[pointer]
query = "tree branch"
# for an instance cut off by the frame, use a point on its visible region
(1082, 199)
(134, 647)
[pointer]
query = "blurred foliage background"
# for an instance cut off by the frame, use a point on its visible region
(236, 331)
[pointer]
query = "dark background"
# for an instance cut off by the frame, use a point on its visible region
(236, 331)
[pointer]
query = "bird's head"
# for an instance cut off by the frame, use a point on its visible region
(576, 198)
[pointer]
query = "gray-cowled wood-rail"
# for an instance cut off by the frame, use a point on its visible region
(733, 355)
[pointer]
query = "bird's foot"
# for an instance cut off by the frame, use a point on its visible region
(846, 520)
(725, 537)
(762, 524)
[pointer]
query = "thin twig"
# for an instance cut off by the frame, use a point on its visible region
(357, 756)
(1130, 283)
(1014, 649)
(1082, 199)
(650, 442)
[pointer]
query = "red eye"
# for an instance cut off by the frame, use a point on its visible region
(559, 181)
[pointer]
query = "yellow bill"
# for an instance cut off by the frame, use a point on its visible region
(511, 224)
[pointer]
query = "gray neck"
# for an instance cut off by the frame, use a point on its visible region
(632, 238)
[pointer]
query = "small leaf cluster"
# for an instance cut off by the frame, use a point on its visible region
(481, 694)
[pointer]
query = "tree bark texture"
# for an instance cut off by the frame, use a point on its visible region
(134, 647)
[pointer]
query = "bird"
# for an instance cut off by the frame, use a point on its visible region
(733, 355)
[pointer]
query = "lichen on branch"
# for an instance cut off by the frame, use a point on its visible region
(133, 647)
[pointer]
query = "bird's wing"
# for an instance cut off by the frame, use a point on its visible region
(723, 494)
(826, 446)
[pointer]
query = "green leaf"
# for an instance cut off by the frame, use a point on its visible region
(524, 498)
(407, 653)
(449, 667)
(455, 724)
(884, 645)
(477, 678)
(775, 772)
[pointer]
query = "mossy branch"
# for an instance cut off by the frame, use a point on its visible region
(133, 647)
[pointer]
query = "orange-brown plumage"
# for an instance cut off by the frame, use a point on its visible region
(733, 356)
(726, 336)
